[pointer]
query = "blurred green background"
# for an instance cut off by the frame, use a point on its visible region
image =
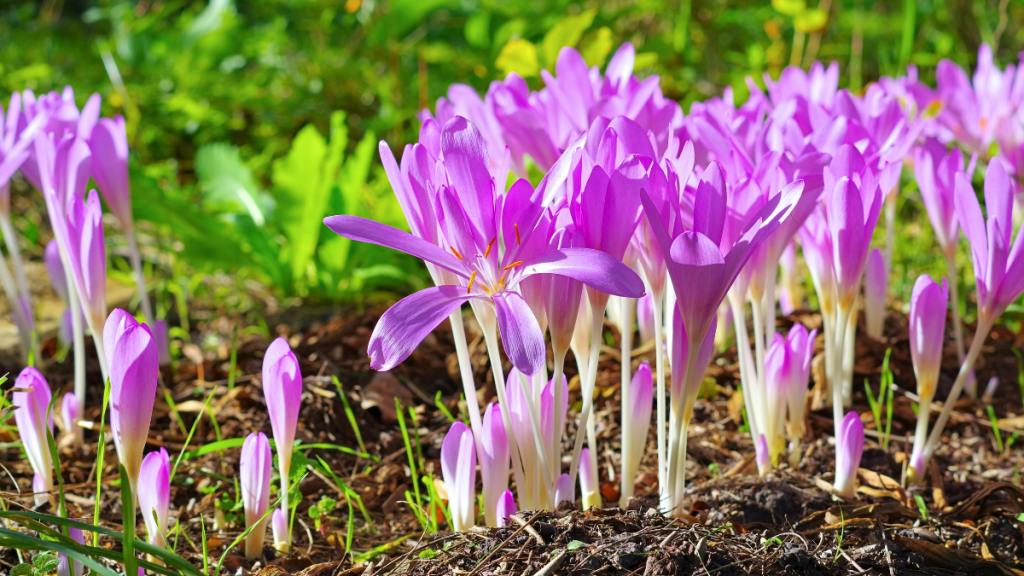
(250, 121)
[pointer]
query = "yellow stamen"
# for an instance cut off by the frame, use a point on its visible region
(489, 245)
(513, 265)
(456, 252)
(472, 277)
(518, 241)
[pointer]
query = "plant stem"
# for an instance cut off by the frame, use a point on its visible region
(78, 337)
(627, 307)
(11, 291)
(980, 335)
(659, 354)
(842, 317)
(14, 250)
(140, 278)
(598, 304)
(472, 404)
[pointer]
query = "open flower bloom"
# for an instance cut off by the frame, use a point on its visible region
(30, 415)
(506, 507)
(83, 242)
(494, 463)
(254, 479)
(134, 372)
(935, 170)
(974, 110)
(849, 448)
(155, 495)
(876, 284)
(67, 566)
(458, 468)
(489, 250)
(588, 482)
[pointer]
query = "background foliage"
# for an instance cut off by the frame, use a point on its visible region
(250, 121)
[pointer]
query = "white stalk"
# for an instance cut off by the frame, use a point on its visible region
(78, 338)
(490, 328)
(543, 470)
(659, 355)
(14, 250)
(838, 385)
(587, 385)
(472, 404)
(980, 335)
(849, 351)
(11, 291)
(627, 479)
(748, 380)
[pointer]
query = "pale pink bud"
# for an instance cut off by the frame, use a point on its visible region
(849, 448)
(927, 332)
(155, 495)
(876, 282)
(279, 526)
(69, 411)
(506, 507)
(31, 418)
(254, 479)
(564, 490)
(458, 468)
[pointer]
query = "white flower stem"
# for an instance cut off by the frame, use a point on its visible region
(78, 338)
(627, 476)
(472, 404)
(14, 250)
(843, 317)
(11, 291)
(659, 354)
(491, 337)
(587, 385)
(555, 442)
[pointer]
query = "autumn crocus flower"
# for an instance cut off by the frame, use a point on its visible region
(701, 276)
(280, 529)
(458, 468)
(927, 328)
(282, 389)
(32, 400)
(494, 463)
(506, 507)
(254, 479)
(155, 495)
(876, 282)
(69, 411)
(134, 371)
(67, 566)
(640, 404)
(588, 481)
(849, 448)
(998, 271)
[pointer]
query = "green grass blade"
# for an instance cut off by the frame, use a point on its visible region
(206, 406)
(349, 414)
(19, 541)
(100, 451)
(128, 521)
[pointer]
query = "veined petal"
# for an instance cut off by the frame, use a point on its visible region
(365, 230)
(408, 322)
(595, 268)
(465, 158)
(968, 212)
(520, 332)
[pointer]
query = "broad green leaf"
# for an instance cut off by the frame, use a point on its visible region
(789, 7)
(228, 184)
(23, 570)
(566, 32)
(810, 21)
(519, 56)
(596, 46)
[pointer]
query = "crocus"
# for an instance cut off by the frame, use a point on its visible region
(494, 463)
(849, 448)
(88, 256)
(640, 404)
(39, 489)
(155, 495)
(279, 526)
(67, 566)
(134, 372)
(254, 479)
(564, 491)
(588, 481)
(163, 347)
(32, 402)
(876, 280)
(927, 330)
(702, 274)
(645, 318)
(800, 352)
(69, 411)
(506, 507)
(282, 390)
(790, 292)
(998, 271)
(458, 468)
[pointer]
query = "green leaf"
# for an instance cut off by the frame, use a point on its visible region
(575, 544)
(596, 46)
(565, 32)
(303, 180)
(228, 184)
(519, 56)
(23, 570)
(298, 467)
(45, 563)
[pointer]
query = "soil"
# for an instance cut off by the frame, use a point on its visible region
(967, 519)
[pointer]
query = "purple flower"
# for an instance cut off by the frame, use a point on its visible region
(973, 111)
(639, 404)
(489, 270)
(162, 342)
(817, 87)
(69, 411)
(588, 481)
(876, 283)
(55, 268)
(936, 170)
(800, 353)
(254, 479)
(927, 333)
(30, 414)
(39, 489)
(279, 526)
(458, 468)
(564, 491)
(82, 241)
(998, 269)
(849, 447)
(762, 454)
(282, 390)
(155, 495)
(645, 318)
(506, 508)
(134, 372)
(109, 145)
(494, 462)
(67, 566)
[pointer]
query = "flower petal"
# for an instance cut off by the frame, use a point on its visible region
(594, 268)
(408, 322)
(520, 333)
(365, 230)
